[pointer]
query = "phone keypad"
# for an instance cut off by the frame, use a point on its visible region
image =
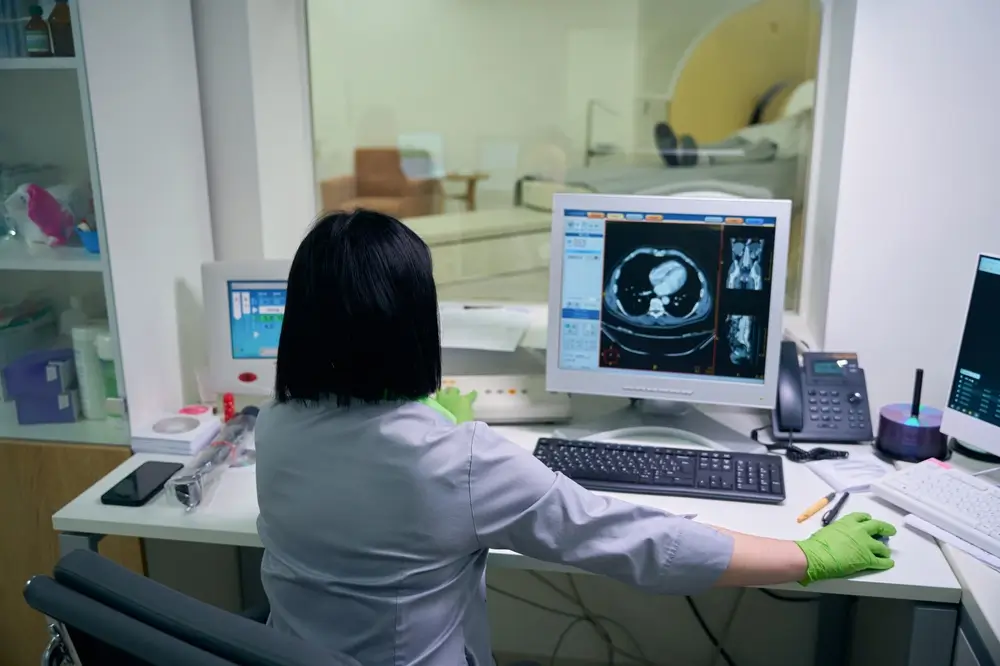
(827, 411)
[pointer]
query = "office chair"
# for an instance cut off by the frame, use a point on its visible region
(88, 586)
(86, 632)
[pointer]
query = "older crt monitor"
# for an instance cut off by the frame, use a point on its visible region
(973, 413)
(667, 298)
(244, 309)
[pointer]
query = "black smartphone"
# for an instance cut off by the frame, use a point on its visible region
(142, 484)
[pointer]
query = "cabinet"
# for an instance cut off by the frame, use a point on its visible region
(969, 648)
(47, 141)
(123, 115)
(36, 479)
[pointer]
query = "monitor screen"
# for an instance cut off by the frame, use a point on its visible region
(256, 310)
(975, 389)
(666, 294)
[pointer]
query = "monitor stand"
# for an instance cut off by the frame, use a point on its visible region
(681, 423)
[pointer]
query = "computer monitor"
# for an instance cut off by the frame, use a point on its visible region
(667, 298)
(973, 413)
(244, 309)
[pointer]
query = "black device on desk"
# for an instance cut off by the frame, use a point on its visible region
(823, 400)
(142, 484)
(659, 470)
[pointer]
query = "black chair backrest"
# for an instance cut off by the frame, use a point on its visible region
(212, 629)
(101, 635)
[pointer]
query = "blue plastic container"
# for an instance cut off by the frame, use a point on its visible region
(89, 240)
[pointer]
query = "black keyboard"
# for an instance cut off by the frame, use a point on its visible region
(657, 470)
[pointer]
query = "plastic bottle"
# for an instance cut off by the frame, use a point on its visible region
(72, 318)
(62, 30)
(106, 352)
(89, 374)
(36, 34)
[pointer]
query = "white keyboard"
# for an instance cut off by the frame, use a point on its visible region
(966, 506)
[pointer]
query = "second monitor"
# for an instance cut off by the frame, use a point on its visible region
(667, 298)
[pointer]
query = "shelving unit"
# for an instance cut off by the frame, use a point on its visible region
(38, 63)
(15, 256)
(47, 121)
(81, 432)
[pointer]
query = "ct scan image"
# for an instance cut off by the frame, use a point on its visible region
(745, 269)
(743, 338)
(659, 302)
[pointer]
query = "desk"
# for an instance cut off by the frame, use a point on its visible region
(980, 588)
(922, 574)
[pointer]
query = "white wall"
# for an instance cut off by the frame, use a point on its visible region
(516, 72)
(226, 89)
(255, 100)
(153, 189)
(918, 188)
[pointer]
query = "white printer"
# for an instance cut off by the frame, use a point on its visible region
(499, 352)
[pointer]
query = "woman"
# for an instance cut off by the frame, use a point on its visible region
(377, 507)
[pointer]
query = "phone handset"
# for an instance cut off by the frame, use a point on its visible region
(789, 410)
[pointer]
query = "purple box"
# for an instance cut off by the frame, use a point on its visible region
(49, 372)
(36, 409)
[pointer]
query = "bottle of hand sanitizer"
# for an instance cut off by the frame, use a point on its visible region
(72, 317)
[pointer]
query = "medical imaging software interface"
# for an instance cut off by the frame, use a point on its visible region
(666, 293)
(975, 389)
(256, 310)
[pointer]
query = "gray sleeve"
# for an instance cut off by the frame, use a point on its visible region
(521, 505)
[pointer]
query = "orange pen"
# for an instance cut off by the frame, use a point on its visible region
(815, 508)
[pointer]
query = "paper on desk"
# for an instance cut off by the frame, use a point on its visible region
(853, 474)
(484, 328)
(940, 534)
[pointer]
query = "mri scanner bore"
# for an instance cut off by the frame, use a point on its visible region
(690, 298)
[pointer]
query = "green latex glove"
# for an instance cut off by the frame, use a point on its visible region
(457, 404)
(847, 546)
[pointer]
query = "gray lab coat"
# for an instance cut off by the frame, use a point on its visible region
(376, 522)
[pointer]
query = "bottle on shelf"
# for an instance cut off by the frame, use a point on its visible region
(36, 34)
(89, 371)
(72, 317)
(106, 353)
(62, 30)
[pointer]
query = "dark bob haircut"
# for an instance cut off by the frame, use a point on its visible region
(361, 318)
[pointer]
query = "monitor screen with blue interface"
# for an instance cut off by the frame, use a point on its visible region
(256, 310)
(975, 388)
(662, 293)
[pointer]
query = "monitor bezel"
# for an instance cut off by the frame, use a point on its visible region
(968, 429)
(228, 374)
(693, 389)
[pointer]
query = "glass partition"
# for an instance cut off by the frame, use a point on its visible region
(462, 117)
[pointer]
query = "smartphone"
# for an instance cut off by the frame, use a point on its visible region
(142, 484)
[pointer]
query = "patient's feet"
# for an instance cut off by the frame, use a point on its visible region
(666, 143)
(675, 151)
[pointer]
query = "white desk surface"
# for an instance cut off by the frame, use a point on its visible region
(921, 573)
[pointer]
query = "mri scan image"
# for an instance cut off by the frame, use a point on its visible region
(745, 270)
(657, 302)
(742, 337)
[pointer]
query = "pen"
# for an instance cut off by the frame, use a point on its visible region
(831, 515)
(814, 509)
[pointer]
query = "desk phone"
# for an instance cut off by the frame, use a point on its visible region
(824, 399)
